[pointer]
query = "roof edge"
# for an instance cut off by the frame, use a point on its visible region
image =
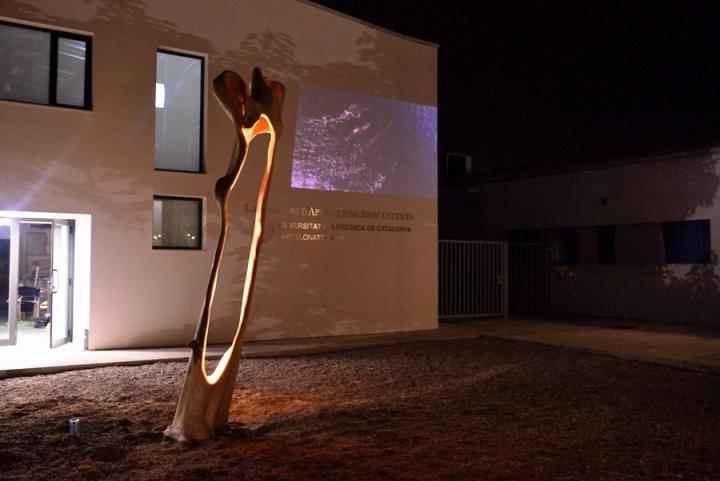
(681, 154)
(369, 24)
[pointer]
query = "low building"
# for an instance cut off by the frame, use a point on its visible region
(636, 238)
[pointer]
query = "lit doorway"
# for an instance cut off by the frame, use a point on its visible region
(36, 282)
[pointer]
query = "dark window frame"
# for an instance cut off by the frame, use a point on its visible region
(199, 200)
(606, 253)
(203, 73)
(52, 81)
(671, 256)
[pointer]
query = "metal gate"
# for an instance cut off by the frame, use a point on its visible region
(526, 269)
(472, 279)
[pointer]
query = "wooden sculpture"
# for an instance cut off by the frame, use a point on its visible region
(204, 402)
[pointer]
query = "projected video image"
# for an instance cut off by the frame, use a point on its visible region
(348, 142)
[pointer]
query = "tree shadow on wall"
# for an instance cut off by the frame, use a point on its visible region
(277, 53)
(274, 51)
(653, 293)
(651, 290)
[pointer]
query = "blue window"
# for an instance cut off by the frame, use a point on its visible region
(687, 242)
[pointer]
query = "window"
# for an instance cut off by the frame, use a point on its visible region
(177, 223)
(566, 245)
(606, 244)
(44, 67)
(687, 242)
(179, 112)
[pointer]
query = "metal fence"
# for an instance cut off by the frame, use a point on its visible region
(490, 279)
(472, 279)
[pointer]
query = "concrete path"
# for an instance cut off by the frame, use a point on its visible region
(651, 342)
(23, 361)
(671, 344)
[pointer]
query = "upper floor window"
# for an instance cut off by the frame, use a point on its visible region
(43, 66)
(179, 112)
(687, 242)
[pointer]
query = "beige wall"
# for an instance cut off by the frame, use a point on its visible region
(638, 197)
(100, 162)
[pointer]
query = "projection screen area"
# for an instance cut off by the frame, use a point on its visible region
(349, 142)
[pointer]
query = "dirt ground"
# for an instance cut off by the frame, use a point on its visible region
(457, 410)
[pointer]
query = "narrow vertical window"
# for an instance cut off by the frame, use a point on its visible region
(179, 112)
(71, 72)
(606, 244)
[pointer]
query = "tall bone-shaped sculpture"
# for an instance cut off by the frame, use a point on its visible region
(204, 402)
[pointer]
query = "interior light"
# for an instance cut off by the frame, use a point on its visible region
(159, 96)
(4, 221)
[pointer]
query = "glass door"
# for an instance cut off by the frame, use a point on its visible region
(60, 320)
(9, 255)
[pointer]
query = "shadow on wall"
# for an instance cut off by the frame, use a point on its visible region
(650, 289)
(128, 209)
(112, 16)
(277, 51)
(657, 293)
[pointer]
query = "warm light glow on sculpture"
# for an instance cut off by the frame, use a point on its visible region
(204, 403)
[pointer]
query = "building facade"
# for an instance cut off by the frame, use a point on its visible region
(112, 142)
(632, 239)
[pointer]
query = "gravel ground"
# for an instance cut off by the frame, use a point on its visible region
(457, 410)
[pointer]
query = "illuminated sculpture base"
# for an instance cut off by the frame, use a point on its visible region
(204, 402)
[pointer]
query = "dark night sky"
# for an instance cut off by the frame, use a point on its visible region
(536, 83)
